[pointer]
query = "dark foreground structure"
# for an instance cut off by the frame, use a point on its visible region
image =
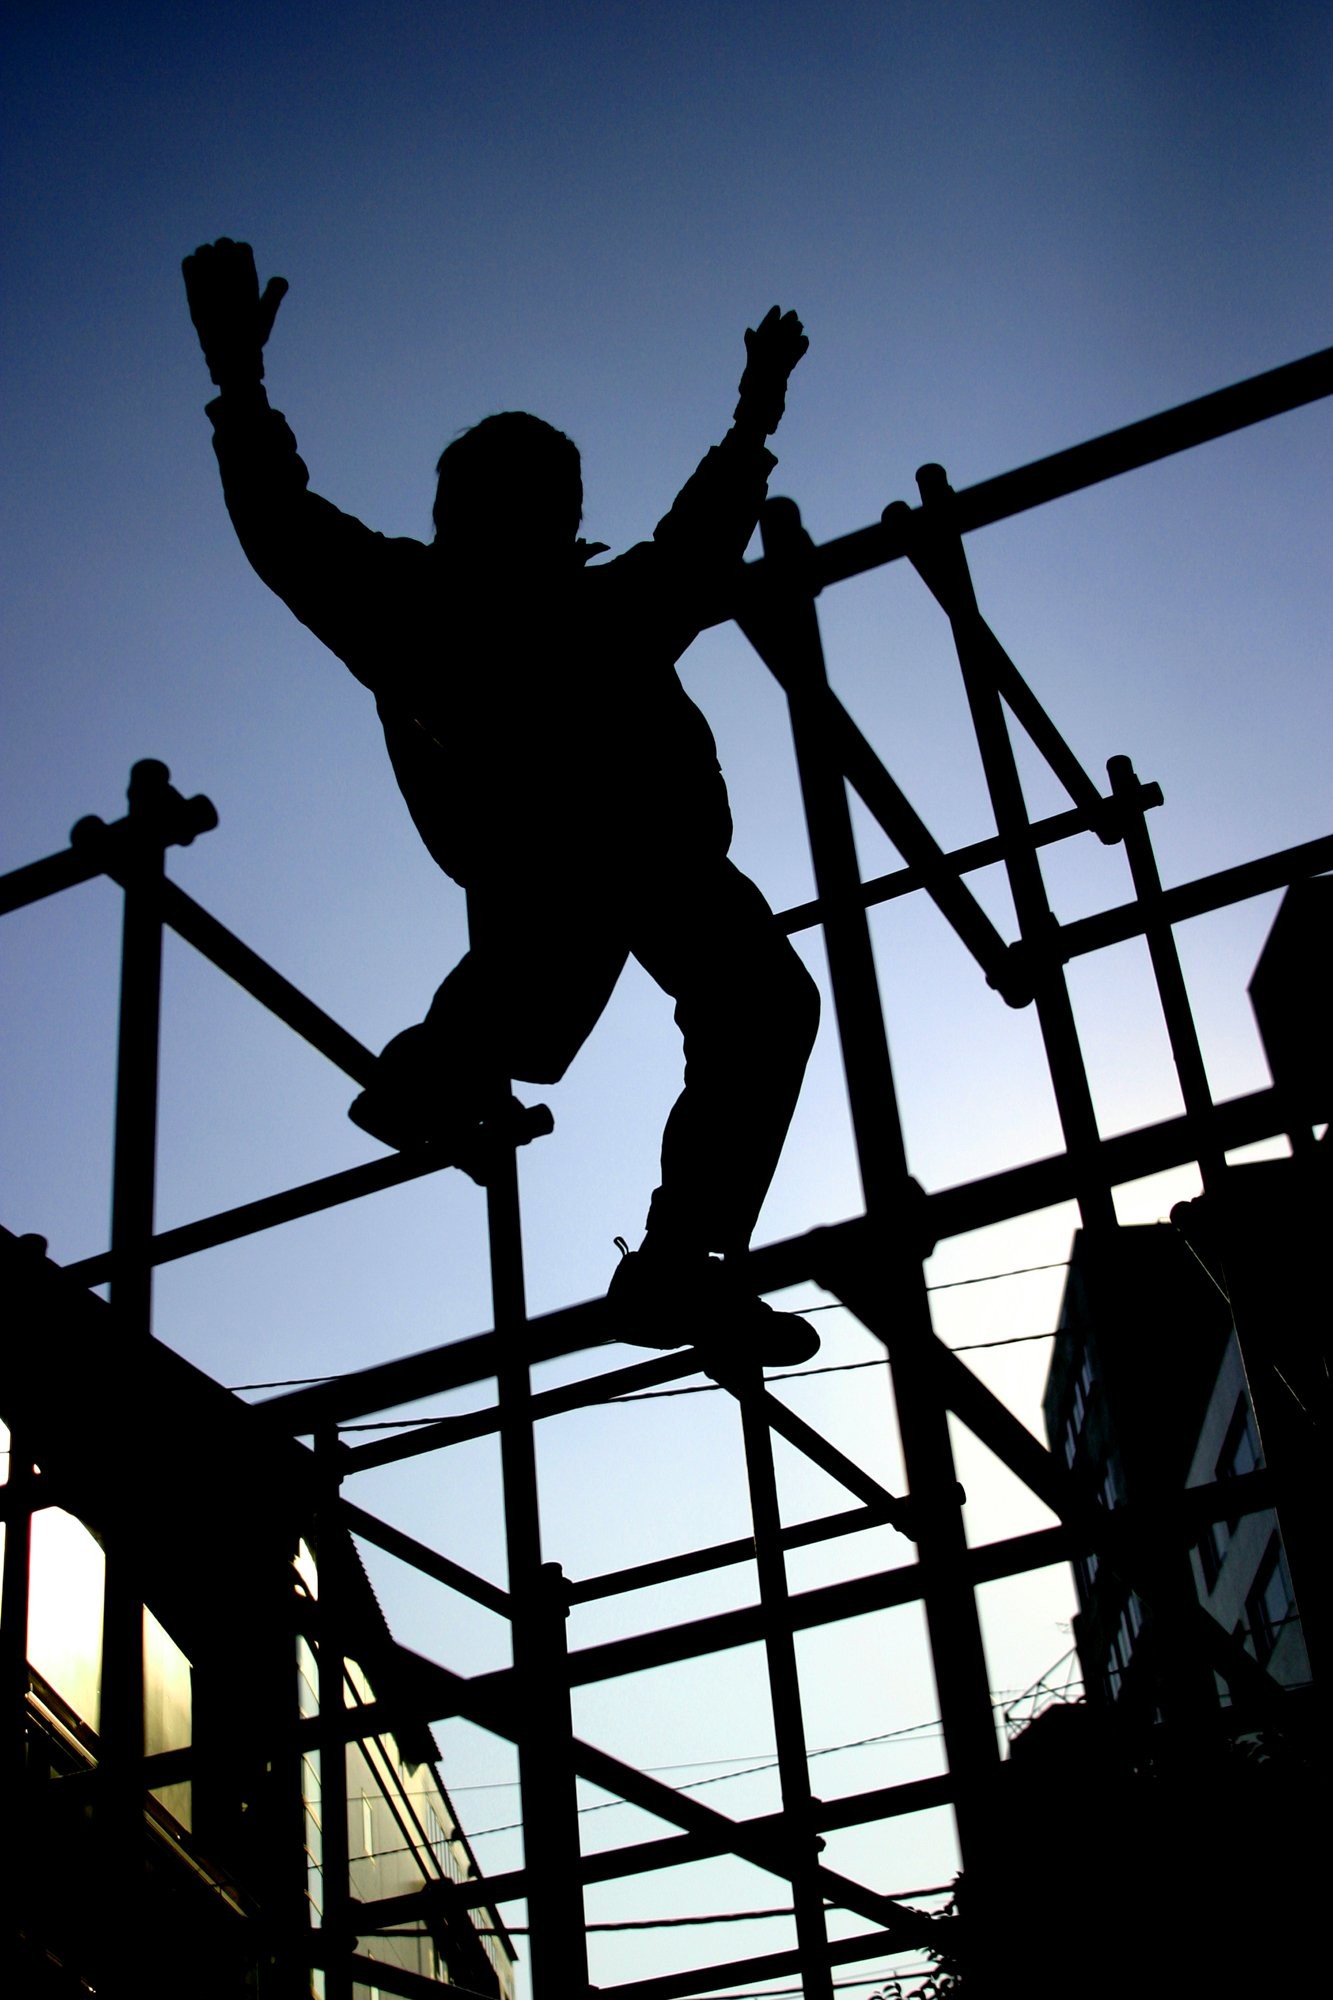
(254, 1876)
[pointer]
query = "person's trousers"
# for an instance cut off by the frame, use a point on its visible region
(545, 955)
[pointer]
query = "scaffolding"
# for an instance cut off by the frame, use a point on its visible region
(872, 1263)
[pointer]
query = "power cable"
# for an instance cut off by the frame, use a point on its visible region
(999, 1698)
(793, 1375)
(913, 1729)
(920, 1731)
(711, 1388)
(990, 1277)
(885, 1980)
(725, 1917)
(949, 1285)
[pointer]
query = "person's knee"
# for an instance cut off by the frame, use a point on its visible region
(769, 996)
(781, 1014)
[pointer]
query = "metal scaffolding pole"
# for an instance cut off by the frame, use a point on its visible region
(19, 1497)
(142, 854)
(887, 1286)
(804, 1843)
(936, 552)
(337, 1939)
(537, 1610)
(1176, 1010)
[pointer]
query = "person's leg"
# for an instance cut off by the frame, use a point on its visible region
(520, 1003)
(748, 1011)
(542, 965)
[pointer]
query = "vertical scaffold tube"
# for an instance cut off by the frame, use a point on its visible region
(884, 1284)
(1176, 1010)
(132, 1205)
(14, 1615)
(800, 1836)
(545, 1754)
(936, 553)
(336, 1917)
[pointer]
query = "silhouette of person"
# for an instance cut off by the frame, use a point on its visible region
(555, 767)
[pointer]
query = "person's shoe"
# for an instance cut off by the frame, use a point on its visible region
(387, 1118)
(412, 1101)
(409, 1101)
(649, 1303)
(660, 1299)
(747, 1328)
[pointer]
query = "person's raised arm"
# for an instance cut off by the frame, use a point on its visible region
(706, 532)
(343, 581)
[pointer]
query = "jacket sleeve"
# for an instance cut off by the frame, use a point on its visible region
(348, 585)
(703, 536)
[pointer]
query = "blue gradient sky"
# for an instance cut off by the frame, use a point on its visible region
(1007, 228)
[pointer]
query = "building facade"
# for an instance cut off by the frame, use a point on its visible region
(215, 1880)
(1147, 1398)
(1241, 1570)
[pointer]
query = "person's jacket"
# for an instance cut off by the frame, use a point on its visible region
(533, 717)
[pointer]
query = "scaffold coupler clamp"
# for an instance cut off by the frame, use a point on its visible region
(157, 811)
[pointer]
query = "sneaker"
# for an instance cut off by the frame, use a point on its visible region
(401, 1118)
(412, 1101)
(661, 1300)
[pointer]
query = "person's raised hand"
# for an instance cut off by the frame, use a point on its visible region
(772, 350)
(230, 316)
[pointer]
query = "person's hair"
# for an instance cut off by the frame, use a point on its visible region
(506, 455)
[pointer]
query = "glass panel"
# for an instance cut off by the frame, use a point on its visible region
(167, 1707)
(67, 1576)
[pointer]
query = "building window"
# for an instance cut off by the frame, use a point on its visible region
(1213, 1545)
(367, 1828)
(1270, 1602)
(1078, 1413)
(1113, 1673)
(1120, 1651)
(1240, 1453)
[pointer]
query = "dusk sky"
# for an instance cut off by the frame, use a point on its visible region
(1007, 228)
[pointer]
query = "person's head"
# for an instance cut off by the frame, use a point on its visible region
(510, 481)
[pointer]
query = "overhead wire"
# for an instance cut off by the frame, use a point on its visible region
(919, 1731)
(789, 1375)
(833, 1305)
(1000, 1698)
(711, 1388)
(893, 1978)
(727, 1916)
